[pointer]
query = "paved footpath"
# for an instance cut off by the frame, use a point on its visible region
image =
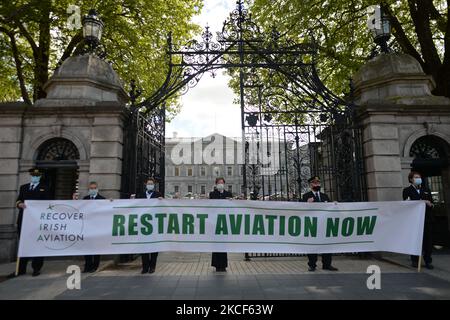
(189, 276)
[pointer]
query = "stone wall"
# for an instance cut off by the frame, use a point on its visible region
(396, 108)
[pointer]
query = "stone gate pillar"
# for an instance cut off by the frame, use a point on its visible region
(395, 104)
(85, 105)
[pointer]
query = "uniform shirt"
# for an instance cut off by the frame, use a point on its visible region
(412, 193)
(220, 195)
(322, 197)
(27, 192)
(148, 195)
(97, 197)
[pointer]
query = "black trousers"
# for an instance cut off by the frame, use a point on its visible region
(219, 260)
(326, 260)
(36, 264)
(149, 260)
(91, 262)
(427, 244)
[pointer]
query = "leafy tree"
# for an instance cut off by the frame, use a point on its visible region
(35, 39)
(419, 28)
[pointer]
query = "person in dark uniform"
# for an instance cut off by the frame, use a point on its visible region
(35, 190)
(91, 262)
(219, 260)
(149, 259)
(316, 196)
(417, 191)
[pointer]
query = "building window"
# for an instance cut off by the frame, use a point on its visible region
(177, 172)
(203, 189)
(229, 171)
(176, 189)
(202, 171)
(241, 170)
(189, 172)
(230, 188)
(190, 189)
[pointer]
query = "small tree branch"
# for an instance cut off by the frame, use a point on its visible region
(400, 35)
(76, 39)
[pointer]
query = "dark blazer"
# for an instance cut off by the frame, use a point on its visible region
(40, 192)
(323, 197)
(220, 195)
(143, 195)
(97, 197)
(424, 194)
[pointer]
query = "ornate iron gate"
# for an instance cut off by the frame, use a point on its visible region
(143, 153)
(292, 125)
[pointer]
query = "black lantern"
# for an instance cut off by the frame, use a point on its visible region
(381, 30)
(92, 29)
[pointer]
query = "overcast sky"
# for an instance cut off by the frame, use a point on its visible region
(208, 108)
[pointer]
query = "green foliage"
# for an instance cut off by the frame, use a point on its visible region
(134, 36)
(344, 41)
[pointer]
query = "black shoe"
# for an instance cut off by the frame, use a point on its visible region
(144, 271)
(92, 270)
(221, 270)
(152, 270)
(429, 266)
(36, 273)
(330, 268)
(311, 269)
(414, 264)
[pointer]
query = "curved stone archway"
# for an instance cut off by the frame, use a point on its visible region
(419, 134)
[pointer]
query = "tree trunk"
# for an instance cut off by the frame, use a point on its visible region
(42, 61)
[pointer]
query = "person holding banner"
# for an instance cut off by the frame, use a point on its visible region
(219, 260)
(316, 196)
(417, 191)
(91, 262)
(149, 259)
(35, 190)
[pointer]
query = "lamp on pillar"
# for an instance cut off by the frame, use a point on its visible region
(380, 27)
(92, 30)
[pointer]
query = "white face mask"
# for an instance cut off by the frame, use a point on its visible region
(93, 192)
(150, 187)
(220, 186)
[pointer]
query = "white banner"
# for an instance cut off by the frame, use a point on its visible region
(84, 227)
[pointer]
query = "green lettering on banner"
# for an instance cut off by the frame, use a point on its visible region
(258, 225)
(188, 223)
(202, 217)
(160, 217)
(132, 224)
(271, 227)
(173, 225)
(310, 227)
(247, 224)
(235, 223)
(365, 225)
(332, 227)
(147, 228)
(294, 226)
(221, 224)
(118, 225)
(347, 226)
(282, 225)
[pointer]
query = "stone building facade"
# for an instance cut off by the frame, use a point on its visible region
(189, 172)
